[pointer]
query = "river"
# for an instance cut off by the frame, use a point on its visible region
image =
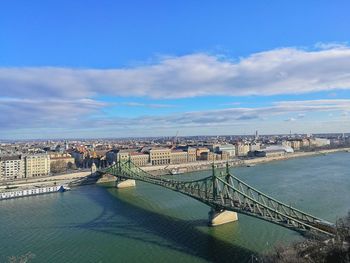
(151, 224)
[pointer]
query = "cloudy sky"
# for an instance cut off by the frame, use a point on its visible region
(106, 69)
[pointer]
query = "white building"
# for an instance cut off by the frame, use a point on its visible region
(228, 148)
(319, 142)
(286, 149)
(11, 167)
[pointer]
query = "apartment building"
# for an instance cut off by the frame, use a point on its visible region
(294, 143)
(255, 146)
(242, 149)
(160, 156)
(178, 156)
(37, 165)
(139, 159)
(225, 156)
(202, 153)
(24, 166)
(12, 167)
(191, 154)
(123, 155)
(228, 148)
(319, 142)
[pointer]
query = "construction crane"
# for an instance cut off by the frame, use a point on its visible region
(175, 139)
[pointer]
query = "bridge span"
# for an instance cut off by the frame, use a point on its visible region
(225, 192)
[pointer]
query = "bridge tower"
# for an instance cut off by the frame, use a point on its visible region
(93, 168)
(227, 193)
(125, 183)
(219, 216)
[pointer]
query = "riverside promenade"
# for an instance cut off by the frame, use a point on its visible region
(47, 180)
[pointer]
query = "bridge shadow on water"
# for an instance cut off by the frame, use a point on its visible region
(123, 219)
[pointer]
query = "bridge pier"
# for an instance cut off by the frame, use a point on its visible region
(217, 218)
(125, 183)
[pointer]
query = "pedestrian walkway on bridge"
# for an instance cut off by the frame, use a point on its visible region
(224, 192)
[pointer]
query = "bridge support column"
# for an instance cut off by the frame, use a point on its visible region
(217, 218)
(126, 183)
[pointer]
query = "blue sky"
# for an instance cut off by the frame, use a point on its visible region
(147, 68)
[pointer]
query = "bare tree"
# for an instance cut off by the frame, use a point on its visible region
(58, 166)
(334, 250)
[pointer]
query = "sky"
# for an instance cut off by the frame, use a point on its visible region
(105, 69)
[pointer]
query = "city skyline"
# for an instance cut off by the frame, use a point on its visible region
(206, 69)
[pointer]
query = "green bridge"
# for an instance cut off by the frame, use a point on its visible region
(224, 192)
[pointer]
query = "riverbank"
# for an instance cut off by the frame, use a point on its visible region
(166, 226)
(292, 155)
(167, 169)
(206, 165)
(48, 180)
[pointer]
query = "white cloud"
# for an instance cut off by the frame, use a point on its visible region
(290, 119)
(74, 114)
(85, 117)
(222, 117)
(330, 45)
(147, 105)
(51, 98)
(34, 113)
(279, 71)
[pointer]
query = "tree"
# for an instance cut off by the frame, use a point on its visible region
(58, 166)
(71, 166)
(334, 250)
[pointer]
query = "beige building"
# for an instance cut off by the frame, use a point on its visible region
(11, 167)
(37, 165)
(225, 156)
(139, 159)
(210, 156)
(319, 142)
(295, 144)
(305, 143)
(202, 153)
(177, 157)
(242, 149)
(160, 156)
(191, 154)
(123, 155)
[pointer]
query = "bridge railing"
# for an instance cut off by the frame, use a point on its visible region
(260, 197)
(229, 192)
(233, 197)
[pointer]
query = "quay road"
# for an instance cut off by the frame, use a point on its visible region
(62, 178)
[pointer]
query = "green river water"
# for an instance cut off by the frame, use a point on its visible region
(151, 224)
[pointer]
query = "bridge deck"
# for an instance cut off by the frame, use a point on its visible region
(227, 192)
